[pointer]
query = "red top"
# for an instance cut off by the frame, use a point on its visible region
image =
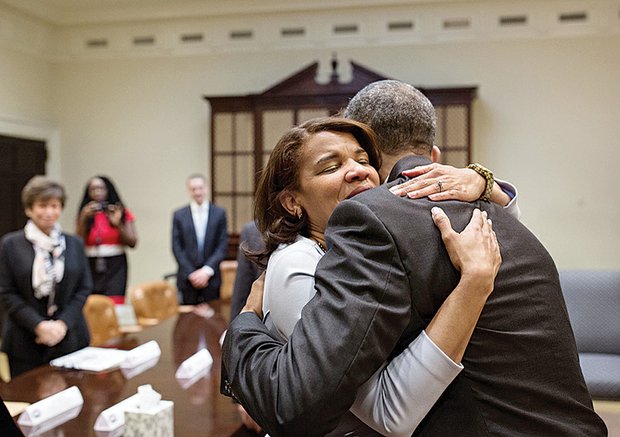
(103, 232)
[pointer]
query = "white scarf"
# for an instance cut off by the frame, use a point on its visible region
(48, 267)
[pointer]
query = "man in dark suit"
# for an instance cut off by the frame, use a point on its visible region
(7, 424)
(247, 271)
(199, 244)
(250, 239)
(384, 277)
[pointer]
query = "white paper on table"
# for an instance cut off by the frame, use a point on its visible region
(114, 417)
(94, 359)
(200, 362)
(141, 354)
(125, 315)
(52, 411)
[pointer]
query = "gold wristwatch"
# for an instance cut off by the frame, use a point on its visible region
(488, 177)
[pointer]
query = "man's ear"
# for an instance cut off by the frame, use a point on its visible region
(291, 203)
(435, 154)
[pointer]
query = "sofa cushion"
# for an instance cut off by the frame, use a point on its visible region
(593, 303)
(602, 375)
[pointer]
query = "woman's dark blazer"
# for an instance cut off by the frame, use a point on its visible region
(24, 312)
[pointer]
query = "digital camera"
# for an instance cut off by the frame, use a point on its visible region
(102, 206)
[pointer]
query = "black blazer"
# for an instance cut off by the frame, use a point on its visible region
(185, 247)
(7, 424)
(25, 312)
(247, 271)
(385, 275)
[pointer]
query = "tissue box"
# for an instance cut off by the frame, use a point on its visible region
(154, 422)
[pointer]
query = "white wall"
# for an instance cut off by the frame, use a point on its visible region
(25, 102)
(26, 81)
(545, 118)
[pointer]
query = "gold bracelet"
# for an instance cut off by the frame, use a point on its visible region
(488, 177)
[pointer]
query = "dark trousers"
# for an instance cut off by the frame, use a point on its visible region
(109, 274)
(8, 427)
(194, 297)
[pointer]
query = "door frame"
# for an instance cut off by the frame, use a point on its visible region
(36, 130)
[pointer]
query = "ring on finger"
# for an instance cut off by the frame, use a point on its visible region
(440, 185)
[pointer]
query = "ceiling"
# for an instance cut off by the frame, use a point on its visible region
(75, 12)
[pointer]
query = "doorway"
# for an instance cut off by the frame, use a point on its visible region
(20, 159)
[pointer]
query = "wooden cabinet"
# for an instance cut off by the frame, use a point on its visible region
(244, 130)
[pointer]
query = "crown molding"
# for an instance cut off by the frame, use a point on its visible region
(80, 12)
(421, 23)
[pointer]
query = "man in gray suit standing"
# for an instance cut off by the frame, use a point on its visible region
(385, 275)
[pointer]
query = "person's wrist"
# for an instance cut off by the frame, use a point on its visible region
(249, 309)
(488, 177)
(479, 181)
(478, 281)
(499, 196)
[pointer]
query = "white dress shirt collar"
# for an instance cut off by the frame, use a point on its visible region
(195, 207)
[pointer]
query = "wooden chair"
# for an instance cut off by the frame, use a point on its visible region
(229, 270)
(154, 301)
(101, 319)
(5, 369)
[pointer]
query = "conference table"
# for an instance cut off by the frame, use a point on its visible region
(199, 409)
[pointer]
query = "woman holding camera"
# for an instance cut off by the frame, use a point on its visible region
(107, 227)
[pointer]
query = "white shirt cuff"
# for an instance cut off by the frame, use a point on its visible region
(512, 208)
(436, 361)
(208, 270)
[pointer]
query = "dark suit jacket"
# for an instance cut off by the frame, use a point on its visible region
(247, 271)
(185, 248)
(384, 277)
(25, 312)
(7, 424)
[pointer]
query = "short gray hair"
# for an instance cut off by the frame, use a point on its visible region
(42, 188)
(196, 176)
(401, 116)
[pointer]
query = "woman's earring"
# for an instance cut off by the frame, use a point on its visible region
(299, 213)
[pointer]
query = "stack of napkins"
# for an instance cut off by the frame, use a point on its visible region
(97, 359)
(94, 359)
